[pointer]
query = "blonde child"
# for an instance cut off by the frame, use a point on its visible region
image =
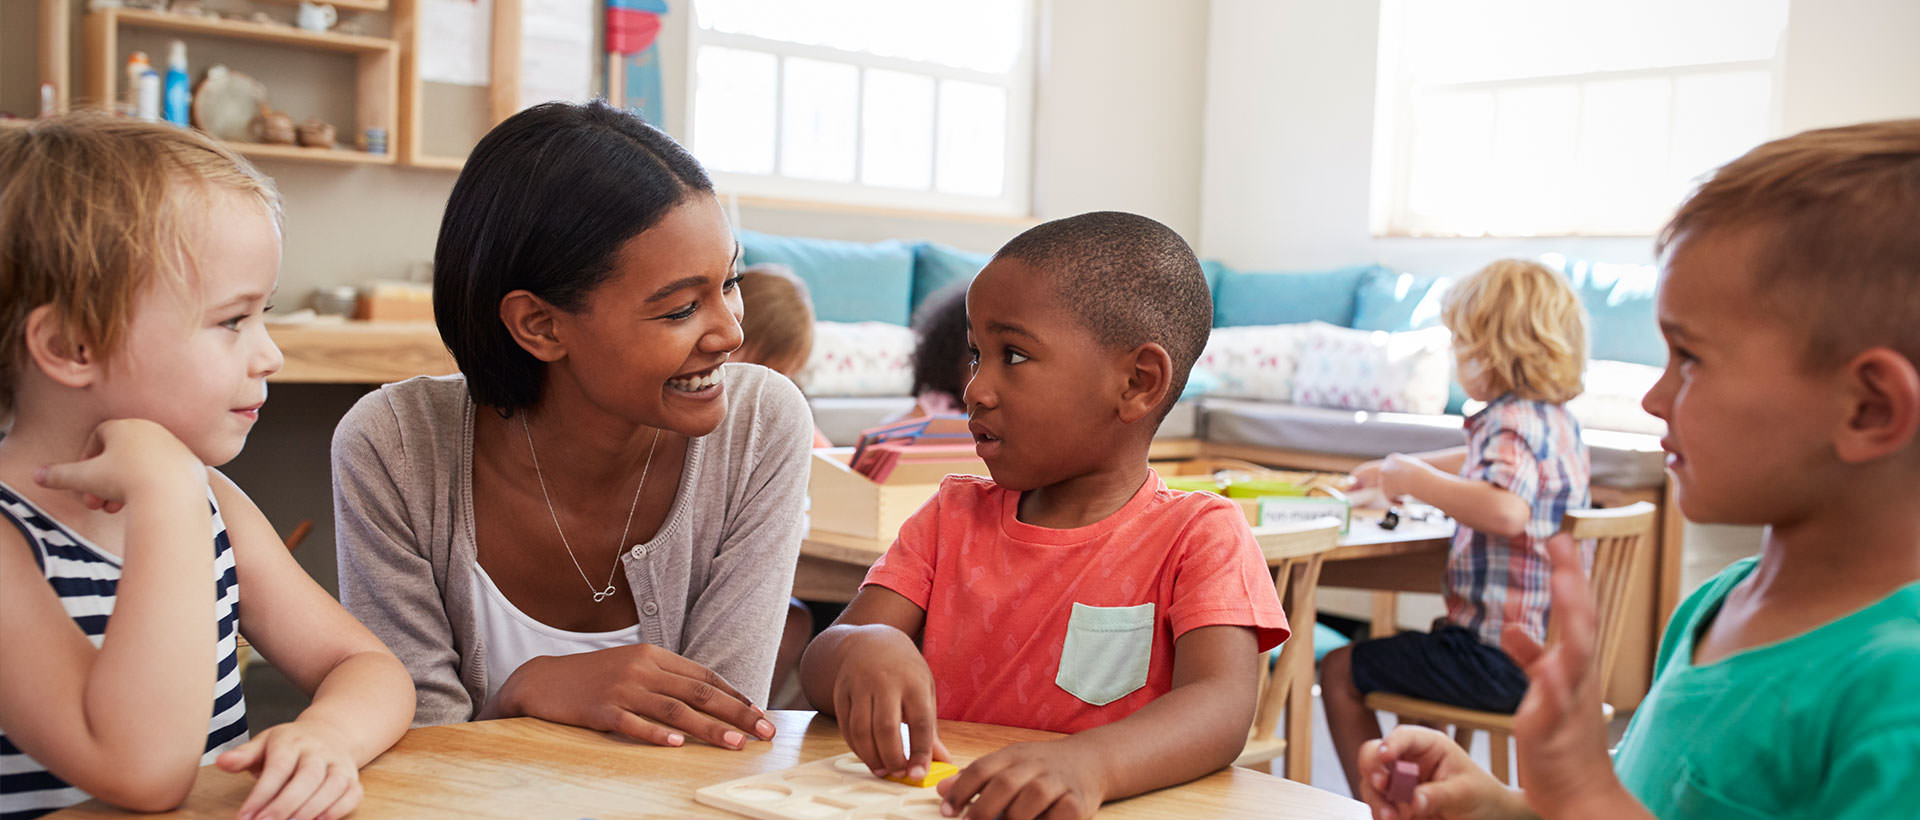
(776, 325)
(1790, 301)
(137, 262)
(1519, 340)
(1072, 592)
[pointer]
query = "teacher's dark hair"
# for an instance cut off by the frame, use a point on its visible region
(544, 204)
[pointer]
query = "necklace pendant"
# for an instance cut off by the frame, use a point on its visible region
(603, 594)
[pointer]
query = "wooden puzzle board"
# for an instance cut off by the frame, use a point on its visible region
(837, 788)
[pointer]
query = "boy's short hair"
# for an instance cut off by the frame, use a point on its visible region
(1835, 213)
(95, 209)
(940, 357)
(776, 329)
(1129, 280)
(544, 204)
(1522, 321)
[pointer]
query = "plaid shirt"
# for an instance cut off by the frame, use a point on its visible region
(1533, 450)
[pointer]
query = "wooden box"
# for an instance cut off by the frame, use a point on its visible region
(849, 503)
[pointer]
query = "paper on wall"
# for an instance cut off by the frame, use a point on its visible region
(456, 41)
(556, 51)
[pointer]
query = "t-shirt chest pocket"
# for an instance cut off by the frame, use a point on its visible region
(1107, 652)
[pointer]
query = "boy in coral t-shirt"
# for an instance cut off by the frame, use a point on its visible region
(1073, 592)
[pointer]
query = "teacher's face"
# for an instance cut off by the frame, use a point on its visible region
(649, 344)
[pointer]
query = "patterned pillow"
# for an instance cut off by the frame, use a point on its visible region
(1253, 361)
(858, 359)
(1350, 369)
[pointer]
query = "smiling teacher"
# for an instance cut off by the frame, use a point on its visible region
(597, 523)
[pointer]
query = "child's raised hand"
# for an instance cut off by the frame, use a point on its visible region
(125, 460)
(302, 771)
(1451, 785)
(885, 682)
(1559, 729)
(1055, 779)
(1367, 475)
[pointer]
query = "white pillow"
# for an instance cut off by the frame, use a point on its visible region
(1611, 400)
(858, 359)
(1255, 361)
(1351, 369)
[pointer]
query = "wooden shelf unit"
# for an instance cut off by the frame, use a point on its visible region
(377, 84)
(503, 88)
(350, 5)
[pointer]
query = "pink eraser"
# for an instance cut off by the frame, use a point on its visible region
(1406, 775)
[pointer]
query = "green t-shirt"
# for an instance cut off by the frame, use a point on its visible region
(1822, 725)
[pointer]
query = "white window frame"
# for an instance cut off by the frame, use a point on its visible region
(1015, 199)
(1390, 209)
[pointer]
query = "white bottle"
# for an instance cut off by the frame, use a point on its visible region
(147, 96)
(137, 64)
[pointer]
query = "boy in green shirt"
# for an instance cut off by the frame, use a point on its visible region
(1790, 301)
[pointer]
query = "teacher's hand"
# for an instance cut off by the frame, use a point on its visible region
(641, 691)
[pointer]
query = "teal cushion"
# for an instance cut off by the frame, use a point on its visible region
(849, 281)
(1325, 639)
(936, 266)
(1266, 298)
(1393, 302)
(1620, 313)
(1214, 270)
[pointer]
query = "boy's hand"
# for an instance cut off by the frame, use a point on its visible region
(1400, 475)
(1559, 729)
(1367, 475)
(1056, 779)
(1451, 785)
(641, 691)
(303, 771)
(883, 683)
(126, 460)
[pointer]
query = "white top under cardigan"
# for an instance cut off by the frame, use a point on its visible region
(712, 585)
(513, 637)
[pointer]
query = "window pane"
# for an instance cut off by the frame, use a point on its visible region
(1717, 117)
(972, 153)
(896, 143)
(984, 35)
(1534, 132)
(733, 110)
(1451, 160)
(1453, 41)
(817, 119)
(1622, 181)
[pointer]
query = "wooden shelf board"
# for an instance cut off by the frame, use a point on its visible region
(438, 163)
(15, 122)
(246, 30)
(351, 5)
(359, 352)
(336, 155)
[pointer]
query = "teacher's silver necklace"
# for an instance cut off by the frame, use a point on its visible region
(598, 593)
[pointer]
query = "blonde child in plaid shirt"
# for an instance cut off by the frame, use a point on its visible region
(1519, 338)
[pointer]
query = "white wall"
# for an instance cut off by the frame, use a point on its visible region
(1289, 127)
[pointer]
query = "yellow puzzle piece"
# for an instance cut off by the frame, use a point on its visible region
(936, 772)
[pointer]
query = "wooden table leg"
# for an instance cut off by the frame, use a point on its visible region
(1299, 723)
(1386, 615)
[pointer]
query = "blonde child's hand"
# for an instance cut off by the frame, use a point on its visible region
(1055, 779)
(641, 691)
(883, 683)
(1559, 728)
(1367, 475)
(303, 771)
(1452, 786)
(1400, 475)
(125, 460)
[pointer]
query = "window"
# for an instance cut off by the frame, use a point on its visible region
(924, 104)
(1551, 117)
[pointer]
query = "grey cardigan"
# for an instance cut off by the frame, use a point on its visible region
(712, 585)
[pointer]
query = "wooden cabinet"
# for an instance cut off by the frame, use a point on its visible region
(374, 68)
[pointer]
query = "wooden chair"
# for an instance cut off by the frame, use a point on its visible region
(1621, 537)
(1287, 684)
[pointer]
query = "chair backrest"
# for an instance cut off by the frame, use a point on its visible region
(1295, 578)
(1620, 536)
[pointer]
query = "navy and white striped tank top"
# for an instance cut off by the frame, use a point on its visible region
(85, 577)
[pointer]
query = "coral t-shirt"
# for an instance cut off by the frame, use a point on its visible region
(1070, 629)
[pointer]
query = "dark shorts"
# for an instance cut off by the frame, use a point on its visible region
(1449, 665)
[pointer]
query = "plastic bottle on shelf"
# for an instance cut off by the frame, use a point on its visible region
(146, 103)
(179, 97)
(137, 65)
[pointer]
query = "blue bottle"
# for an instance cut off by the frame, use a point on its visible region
(179, 97)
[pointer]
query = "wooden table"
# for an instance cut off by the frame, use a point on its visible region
(529, 768)
(1409, 558)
